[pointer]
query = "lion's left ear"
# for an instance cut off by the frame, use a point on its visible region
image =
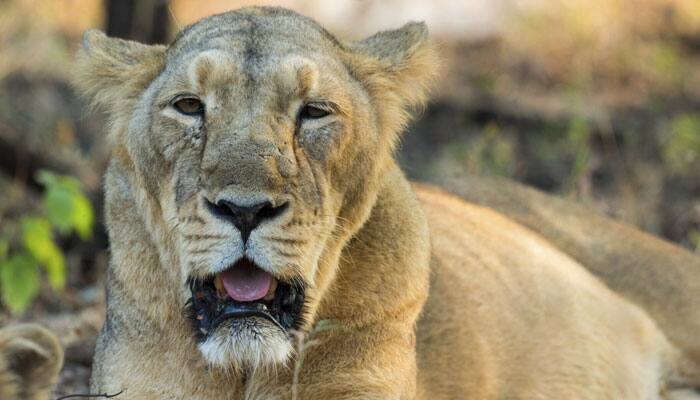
(398, 66)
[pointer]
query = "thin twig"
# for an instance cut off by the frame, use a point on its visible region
(101, 395)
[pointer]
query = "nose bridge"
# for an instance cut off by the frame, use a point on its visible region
(241, 159)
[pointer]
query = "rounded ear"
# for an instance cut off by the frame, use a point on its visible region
(110, 71)
(398, 67)
(392, 47)
(30, 360)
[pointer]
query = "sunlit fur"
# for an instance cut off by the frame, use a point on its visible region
(659, 276)
(30, 359)
(507, 315)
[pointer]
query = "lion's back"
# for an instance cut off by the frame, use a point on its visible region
(660, 277)
(508, 312)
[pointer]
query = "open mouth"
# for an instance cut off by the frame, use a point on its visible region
(244, 290)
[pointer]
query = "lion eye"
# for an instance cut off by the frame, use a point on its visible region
(310, 111)
(189, 106)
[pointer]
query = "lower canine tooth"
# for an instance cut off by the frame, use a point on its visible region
(271, 292)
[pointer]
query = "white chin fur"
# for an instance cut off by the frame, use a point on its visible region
(246, 347)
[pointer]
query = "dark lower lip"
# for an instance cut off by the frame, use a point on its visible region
(234, 310)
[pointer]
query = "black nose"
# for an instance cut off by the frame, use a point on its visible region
(246, 218)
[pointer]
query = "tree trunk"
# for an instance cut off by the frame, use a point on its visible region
(146, 21)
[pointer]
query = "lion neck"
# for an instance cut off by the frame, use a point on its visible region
(388, 257)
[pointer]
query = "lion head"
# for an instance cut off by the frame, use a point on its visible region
(254, 146)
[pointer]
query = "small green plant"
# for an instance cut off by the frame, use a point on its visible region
(694, 238)
(28, 245)
(681, 149)
(578, 136)
(492, 153)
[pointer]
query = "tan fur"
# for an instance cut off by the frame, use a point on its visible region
(508, 315)
(662, 278)
(30, 359)
(519, 312)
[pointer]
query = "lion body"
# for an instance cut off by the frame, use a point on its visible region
(507, 311)
(660, 277)
(503, 313)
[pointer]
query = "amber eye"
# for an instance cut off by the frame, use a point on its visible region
(311, 111)
(189, 106)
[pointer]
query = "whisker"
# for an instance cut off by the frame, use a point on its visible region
(287, 254)
(199, 251)
(193, 218)
(290, 241)
(203, 237)
(173, 228)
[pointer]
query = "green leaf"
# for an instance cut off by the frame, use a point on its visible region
(50, 179)
(46, 178)
(58, 203)
(66, 206)
(55, 267)
(82, 217)
(19, 281)
(35, 232)
(38, 240)
(682, 147)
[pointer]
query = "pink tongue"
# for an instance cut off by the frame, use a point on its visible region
(246, 282)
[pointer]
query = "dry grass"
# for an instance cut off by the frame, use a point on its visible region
(620, 45)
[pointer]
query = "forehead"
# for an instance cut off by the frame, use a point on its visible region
(255, 37)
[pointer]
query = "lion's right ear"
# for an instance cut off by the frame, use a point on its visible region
(110, 71)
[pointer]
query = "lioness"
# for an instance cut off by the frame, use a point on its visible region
(252, 196)
(30, 359)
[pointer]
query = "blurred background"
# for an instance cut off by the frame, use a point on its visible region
(595, 100)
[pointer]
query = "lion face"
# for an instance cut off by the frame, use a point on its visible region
(251, 143)
(258, 145)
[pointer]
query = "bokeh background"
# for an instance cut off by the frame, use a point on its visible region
(595, 100)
